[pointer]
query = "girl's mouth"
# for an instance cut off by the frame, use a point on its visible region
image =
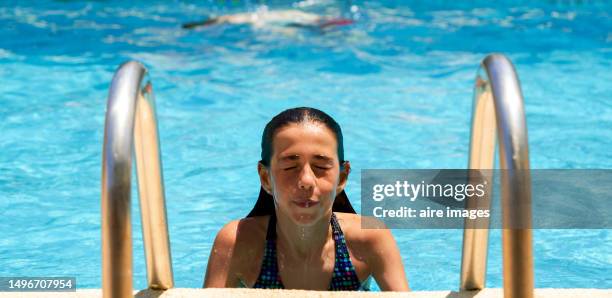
(306, 204)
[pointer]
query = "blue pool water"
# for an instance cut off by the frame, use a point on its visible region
(399, 82)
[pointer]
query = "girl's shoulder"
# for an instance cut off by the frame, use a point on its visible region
(362, 231)
(244, 231)
(239, 246)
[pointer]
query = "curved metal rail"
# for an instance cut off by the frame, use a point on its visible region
(131, 126)
(498, 111)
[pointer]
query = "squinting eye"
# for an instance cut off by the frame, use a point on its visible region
(290, 168)
(322, 168)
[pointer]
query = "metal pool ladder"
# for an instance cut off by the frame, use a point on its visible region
(498, 110)
(131, 126)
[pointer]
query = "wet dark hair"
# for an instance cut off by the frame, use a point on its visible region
(265, 201)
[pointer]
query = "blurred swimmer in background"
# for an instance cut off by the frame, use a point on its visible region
(262, 17)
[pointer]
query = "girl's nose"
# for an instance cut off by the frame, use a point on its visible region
(306, 181)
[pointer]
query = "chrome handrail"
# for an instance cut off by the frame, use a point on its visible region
(131, 126)
(498, 110)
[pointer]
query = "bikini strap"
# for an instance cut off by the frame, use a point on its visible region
(268, 275)
(336, 230)
(344, 277)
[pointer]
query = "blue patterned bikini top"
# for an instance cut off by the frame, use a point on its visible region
(344, 277)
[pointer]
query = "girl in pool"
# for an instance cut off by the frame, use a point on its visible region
(303, 232)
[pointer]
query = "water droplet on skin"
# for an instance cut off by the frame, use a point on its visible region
(281, 265)
(329, 256)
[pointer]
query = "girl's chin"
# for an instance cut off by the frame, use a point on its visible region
(307, 218)
(304, 219)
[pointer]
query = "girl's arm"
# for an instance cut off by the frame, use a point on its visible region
(385, 261)
(220, 270)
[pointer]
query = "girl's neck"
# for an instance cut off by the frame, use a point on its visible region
(303, 242)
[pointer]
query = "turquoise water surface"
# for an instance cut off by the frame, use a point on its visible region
(399, 81)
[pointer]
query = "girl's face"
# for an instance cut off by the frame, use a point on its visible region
(304, 174)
